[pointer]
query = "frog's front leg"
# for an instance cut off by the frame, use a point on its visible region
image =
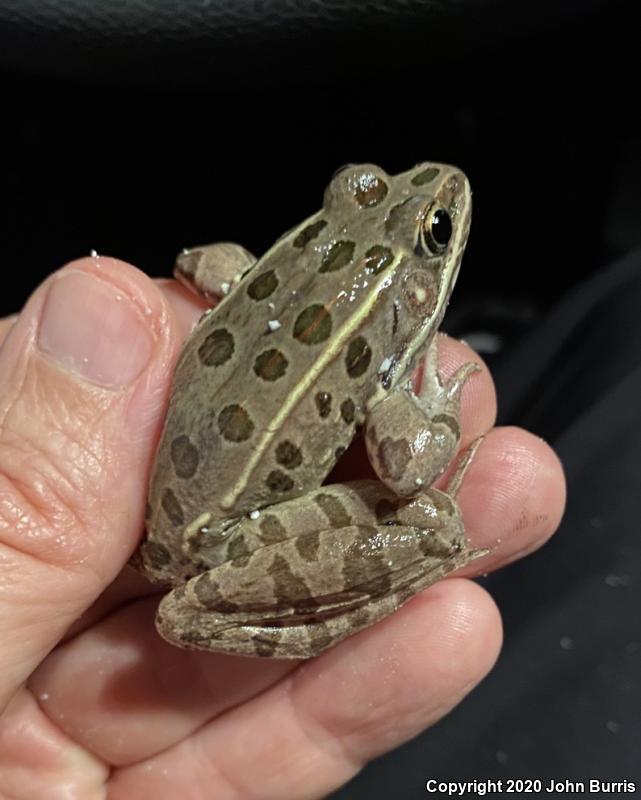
(412, 439)
(213, 270)
(310, 572)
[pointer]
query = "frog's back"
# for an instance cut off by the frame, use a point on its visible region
(273, 382)
(277, 373)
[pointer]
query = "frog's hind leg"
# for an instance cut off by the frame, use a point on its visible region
(297, 599)
(411, 438)
(213, 270)
(335, 506)
(314, 585)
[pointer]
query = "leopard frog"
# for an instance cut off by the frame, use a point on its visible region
(312, 343)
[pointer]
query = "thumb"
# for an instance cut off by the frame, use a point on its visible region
(83, 385)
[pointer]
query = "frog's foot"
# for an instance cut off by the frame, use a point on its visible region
(213, 270)
(298, 596)
(411, 439)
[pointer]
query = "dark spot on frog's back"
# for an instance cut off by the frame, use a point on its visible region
(313, 325)
(172, 507)
(308, 233)
(272, 529)
(217, 348)
(358, 357)
(307, 545)
(377, 258)
(270, 365)
(370, 190)
(263, 286)
(235, 424)
(289, 589)
(289, 455)
(348, 410)
(323, 402)
(184, 456)
(338, 256)
(426, 176)
(209, 595)
(333, 509)
(278, 482)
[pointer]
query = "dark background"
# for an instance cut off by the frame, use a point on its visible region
(541, 112)
(137, 145)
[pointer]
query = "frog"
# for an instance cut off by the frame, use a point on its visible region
(316, 343)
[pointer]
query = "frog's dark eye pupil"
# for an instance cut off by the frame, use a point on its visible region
(441, 227)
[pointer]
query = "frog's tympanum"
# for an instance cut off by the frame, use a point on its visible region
(311, 343)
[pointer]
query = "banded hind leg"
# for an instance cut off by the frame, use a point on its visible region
(309, 572)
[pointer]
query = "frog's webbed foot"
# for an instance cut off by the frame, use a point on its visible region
(213, 270)
(331, 563)
(411, 439)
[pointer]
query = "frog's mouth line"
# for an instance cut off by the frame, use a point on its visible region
(403, 362)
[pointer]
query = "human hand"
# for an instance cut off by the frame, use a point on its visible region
(94, 703)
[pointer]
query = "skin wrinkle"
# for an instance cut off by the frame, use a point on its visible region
(30, 740)
(354, 761)
(243, 792)
(323, 742)
(460, 618)
(95, 456)
(86, 461)
(34, 521)
(57, 441)
(54, 536)
(14, 583)
(12, 383)
(54, 489)
(27, 604)
(201, 756)
(523, 467)
(155, 404)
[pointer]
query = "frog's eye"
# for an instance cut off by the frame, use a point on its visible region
(436, 230)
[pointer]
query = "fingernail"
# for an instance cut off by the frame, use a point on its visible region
(94, 330)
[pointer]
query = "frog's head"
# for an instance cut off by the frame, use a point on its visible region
(422, 224)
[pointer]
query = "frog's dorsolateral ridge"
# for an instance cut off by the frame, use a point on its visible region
(313, 341)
